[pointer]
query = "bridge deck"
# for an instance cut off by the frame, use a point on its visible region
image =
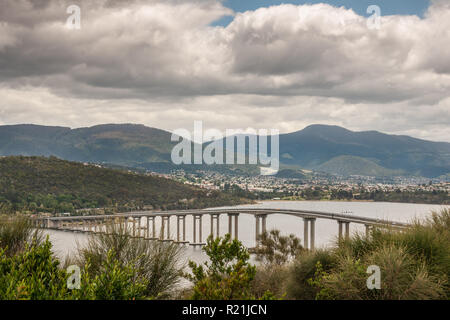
(251, 211)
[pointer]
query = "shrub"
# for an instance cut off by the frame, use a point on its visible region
(114, 282)
(270, 278)
(157, 263)
(16, 232)
(414, 264)
(304, 269)
(403, 277)
(33, 274)
(228, 274)
(275, 249)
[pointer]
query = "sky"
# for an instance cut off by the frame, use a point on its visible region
(232, 64)
(390, 7)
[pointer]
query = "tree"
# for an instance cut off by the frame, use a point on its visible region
(228, 274)
(277, 249)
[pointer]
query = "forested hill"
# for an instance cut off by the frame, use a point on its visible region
(39, 184)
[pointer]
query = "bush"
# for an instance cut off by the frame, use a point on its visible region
(414, 264)
(16, 232)
(228, 274)
(272, 279)
(114, 282)
(156, 263)
(402, 278)
(275, 249)
(35, 274)
(304, 269)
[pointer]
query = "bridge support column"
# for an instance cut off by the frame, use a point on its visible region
(313, 233)
(197, 219)
(218, 226)
(165, 226)
(107, 225)
(236, 225)
(347, 230)
(257, 234)
(153, 227)
(264, 223)
(184, 229)
(178, 228)
(194, 229)
(125, 225)
(215, 217)
(368, 230)
(147, 228)
(261, 226)
(181, 218)
(305, 233)
(168, 228)
(161, 233)
(340, 230)
(309, 233)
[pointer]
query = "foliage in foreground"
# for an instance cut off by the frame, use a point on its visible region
(227, 276)
(414, 264)
(156, 263)
(17, 232)
(35, 274)
(276, 249)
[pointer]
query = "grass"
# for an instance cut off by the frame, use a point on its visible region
(16, 232)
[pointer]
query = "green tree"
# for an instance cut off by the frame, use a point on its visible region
(228, 274)
(275, 249)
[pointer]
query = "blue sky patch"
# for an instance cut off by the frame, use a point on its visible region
(388, 7)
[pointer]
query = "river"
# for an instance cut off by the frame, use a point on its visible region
(65, 243)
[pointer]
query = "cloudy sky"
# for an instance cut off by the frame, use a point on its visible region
(232, 64)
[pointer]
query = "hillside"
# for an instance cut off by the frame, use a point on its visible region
(317, 147)
(39, 184)
(126, 144)
(352, 165)
(336, 150)
(382, 154)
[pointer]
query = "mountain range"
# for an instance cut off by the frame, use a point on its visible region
(324, 148)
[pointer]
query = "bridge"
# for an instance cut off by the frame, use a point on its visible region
(143, 223)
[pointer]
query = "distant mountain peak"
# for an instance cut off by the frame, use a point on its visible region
(315, 147)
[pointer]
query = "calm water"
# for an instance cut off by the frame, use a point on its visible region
(326, 230)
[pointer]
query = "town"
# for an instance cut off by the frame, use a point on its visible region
(319, 186)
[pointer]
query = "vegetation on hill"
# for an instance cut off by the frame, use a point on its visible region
(317, 147)
(369, 151)
(352, 165)
(38, 184)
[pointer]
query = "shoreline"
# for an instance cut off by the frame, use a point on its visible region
(361, 201)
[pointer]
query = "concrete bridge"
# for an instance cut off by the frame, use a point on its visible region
(143, 223)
